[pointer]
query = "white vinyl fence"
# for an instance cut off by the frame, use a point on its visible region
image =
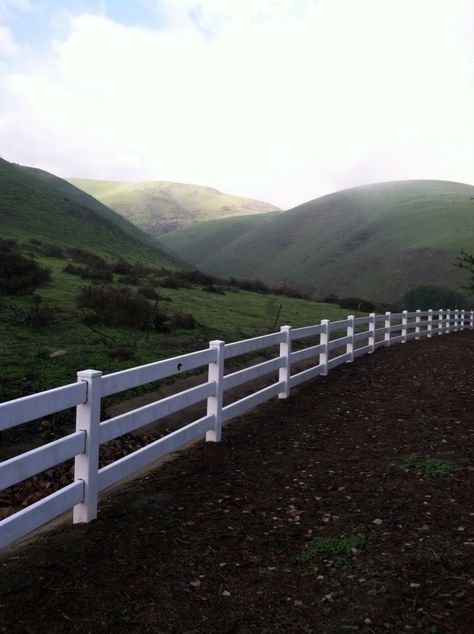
(338, 342)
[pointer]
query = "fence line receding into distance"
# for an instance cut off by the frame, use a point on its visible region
(338, 342)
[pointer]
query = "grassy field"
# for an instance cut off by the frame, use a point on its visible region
(161, 206)
(375, 241)
(34, 358)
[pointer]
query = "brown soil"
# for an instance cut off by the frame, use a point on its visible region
(210, 542)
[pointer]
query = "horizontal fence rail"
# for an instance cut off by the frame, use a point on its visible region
(336, 343)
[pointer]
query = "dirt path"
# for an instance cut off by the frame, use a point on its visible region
(318, 514)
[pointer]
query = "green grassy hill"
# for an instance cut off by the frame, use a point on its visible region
(38, 205)
(158, 207)
(46, 335)
(375, 241)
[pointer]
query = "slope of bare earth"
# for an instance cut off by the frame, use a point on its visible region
(348, 507)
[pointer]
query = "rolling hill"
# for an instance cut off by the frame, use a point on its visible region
(374, 241)
(36, 204)
(158, 207)
(46, 334)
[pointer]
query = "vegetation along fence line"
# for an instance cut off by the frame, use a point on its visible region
(81, 495)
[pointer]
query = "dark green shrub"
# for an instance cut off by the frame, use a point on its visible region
(131, 280)
(210, 288)
(19, 274)
(87, 257)
(73, 270)
(356, 303)
(37, 313)
(256, 286)
(115, 307)
(96, 273)
(149, 292)
(52, 251)
(426, 296)
(174, 281)
(122, 267)
(183, 320)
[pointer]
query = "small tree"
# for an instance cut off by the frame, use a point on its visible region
(466, 261)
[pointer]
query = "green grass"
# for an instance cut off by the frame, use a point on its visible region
(338, 550)
(375, 241)
(26, 364)
(429, 467)
(161, 206)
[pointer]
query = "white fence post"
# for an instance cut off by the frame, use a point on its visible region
(350, 333)
(441, 321)
(388, 324)
(214, 403)
(471, 319)
(284, 373)
(462, 319)
(417, 322)
(404, 326)
(86, 465)
(456, 320)
(430, 322)
(324, 340)
(448, 321)
(371, 338)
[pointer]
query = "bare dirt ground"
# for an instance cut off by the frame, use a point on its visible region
(348, 507)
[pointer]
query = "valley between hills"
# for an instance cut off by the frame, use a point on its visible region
(109, 295)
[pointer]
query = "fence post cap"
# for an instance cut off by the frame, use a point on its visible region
(217, 343)
(88, 374)
(285, 328)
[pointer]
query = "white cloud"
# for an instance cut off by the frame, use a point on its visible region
(8, 46)
(285, 103)
(9, 7)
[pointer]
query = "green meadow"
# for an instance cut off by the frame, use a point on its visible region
(37, 357)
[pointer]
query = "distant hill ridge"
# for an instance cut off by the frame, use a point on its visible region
(158, 207)
(37, 204)
(374, 241)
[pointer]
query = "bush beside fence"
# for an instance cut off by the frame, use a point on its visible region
(339, 342)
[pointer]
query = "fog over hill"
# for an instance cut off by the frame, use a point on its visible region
(374, 241)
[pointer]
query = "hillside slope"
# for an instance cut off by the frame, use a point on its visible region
(374, 241)
(158, 207)
(36, 204)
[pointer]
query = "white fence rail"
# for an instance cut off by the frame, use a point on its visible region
(337, 342)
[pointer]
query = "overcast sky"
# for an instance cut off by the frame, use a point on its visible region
(282, 100)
